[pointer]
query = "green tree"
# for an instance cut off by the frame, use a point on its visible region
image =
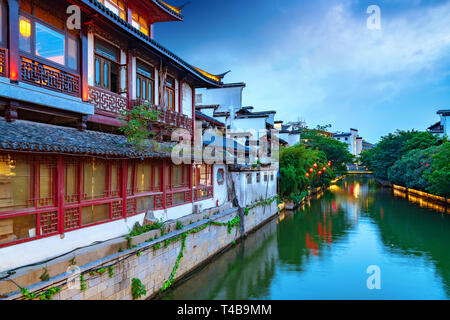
(438, 174)
(335, 151)
(295, 163)
(390, 149)
(409, 170)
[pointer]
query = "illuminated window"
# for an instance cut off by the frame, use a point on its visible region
(24, 34)
(16, 183)
(116, 6)
(140, 23)
(94, 179)
(46, 36)
(202, 175)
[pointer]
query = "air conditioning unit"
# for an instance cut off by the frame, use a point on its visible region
(198, 208)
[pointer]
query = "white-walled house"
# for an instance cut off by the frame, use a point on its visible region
(442, 126)
(354, 141)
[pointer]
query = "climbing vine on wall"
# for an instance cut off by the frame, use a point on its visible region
(230, 224)
(260, 203)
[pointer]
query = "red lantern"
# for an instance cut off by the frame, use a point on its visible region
(426, 164)
(324, 168)
(311, 170)
(315, 165)
(320, 172)
(329, 164)
(307, 175)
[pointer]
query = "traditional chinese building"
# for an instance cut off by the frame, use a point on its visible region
(67, 175)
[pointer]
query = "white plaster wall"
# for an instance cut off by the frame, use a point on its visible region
(250, 193)
(156, 86)
(249, 123)
(91, 59)
(42, 249)
(187, 99)
(132, 91)
(293, 139)
(444, 123)
(225, 97)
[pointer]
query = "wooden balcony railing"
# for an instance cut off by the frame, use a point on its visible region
(169, 117)
(3, 62)
(48, 77)
(107, 103)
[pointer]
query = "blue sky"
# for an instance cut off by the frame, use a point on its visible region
(317, 61)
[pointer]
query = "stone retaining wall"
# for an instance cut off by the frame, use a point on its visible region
(154, 267)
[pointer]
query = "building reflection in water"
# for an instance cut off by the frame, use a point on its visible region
(281, 260)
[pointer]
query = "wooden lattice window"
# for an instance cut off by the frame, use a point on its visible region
(106, 66)
(145, 83)
(170, 93)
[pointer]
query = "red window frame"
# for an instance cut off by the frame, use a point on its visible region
(40, 212)
(155, 191)
(185, 187)
(65, 213)
(200, 190)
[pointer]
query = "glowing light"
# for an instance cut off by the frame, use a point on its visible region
(311, 170)
(307, 175)
(315, 165)
(324, 168)
(356, 190)
(172, 7)
(320, 172)
(208, 75)
(25, 28)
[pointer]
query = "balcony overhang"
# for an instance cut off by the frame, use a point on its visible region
(39, 96)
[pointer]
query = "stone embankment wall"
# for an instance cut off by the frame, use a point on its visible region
(157, 263)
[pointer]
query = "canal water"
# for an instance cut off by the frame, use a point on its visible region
(324, 250)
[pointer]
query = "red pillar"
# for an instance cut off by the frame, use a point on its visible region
(13, 35)
(60, 192)
(124, 187)
(84, 64)
(163, 182)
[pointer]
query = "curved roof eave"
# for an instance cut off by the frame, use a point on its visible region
(99, 7)
(173, 11)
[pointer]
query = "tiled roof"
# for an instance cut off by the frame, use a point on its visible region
(99, 7)
(22, 135)
(201, 115)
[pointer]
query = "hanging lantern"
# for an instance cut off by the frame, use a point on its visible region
(320, 172)
(426, 164)
(315, 165)
(311, 170)
(329, 163)
(324, 168)
(307, 175)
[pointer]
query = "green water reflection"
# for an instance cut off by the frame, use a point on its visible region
(322, 251)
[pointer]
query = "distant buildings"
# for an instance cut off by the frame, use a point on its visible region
(356, 144)
(290, 132)
(442, 126)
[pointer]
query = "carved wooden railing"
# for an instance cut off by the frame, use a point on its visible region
(202, 193)
(107, 103)
(168, 117)
(3, 62)
(48, 77)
